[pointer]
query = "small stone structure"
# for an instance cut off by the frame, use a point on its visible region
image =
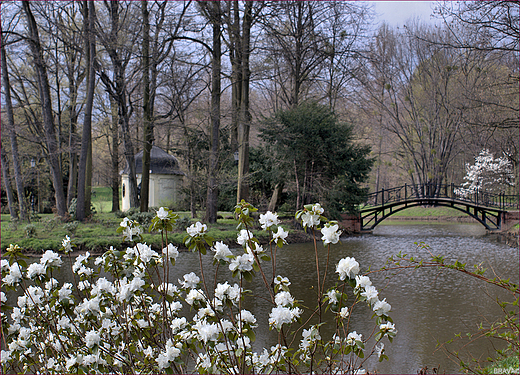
(165, 179)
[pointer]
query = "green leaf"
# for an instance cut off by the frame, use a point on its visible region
(251, 334)
(247, 276)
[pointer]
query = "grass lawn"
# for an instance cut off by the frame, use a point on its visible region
(429, 212)
(100, 232)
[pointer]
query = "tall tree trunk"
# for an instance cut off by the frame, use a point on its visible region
(235, 57)
(83, 202)
(275, 198)
(147, 110)
(115, 156)
(245, 115)
(117, 90)
(47, 116)
(73, 156)
(8, 189)
(212, 194)
(12, 135)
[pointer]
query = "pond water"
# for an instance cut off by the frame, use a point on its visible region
(428, 306)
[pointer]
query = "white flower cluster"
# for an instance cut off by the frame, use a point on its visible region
(487, 173)
(120, 313)
(310, 337)
(330, 233)
(311, 218)
(284, 312)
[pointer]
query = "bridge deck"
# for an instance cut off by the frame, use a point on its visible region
(487, 208)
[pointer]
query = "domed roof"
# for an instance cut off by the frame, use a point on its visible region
(160, 163)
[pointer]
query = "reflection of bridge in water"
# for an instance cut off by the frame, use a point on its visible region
(489, 209)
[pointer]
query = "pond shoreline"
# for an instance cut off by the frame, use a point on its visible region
(510, 238)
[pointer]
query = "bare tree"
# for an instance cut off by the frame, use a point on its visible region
(119, 49)
(53, 152)
(14, 142)
(85, 159)
(416, 85)
(239, 45)
(212, 11)
(8, 188)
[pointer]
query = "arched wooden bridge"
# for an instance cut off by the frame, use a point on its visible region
(487, 208)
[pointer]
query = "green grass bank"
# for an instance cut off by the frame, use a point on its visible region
(46, 231)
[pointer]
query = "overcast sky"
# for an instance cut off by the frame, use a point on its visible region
(396, 13)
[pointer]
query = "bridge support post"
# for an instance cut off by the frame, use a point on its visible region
(351, 223)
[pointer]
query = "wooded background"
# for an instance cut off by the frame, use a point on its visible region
(86, 85)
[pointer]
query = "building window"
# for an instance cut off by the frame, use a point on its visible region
(123, 190)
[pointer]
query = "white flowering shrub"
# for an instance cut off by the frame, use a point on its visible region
(487, 174)
(122, 314)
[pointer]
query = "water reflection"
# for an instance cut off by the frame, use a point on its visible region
(428, 306)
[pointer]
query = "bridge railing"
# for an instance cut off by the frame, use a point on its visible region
(449, 191)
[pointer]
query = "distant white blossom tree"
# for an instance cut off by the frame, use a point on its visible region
(487, 174)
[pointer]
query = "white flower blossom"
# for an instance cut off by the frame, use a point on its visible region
(87, 271)
(14, 276)
(82, 285)
(343, 313)
(79, 261)
(332, 294)
(317, 209)
(234, 293)
(171, 252)
(310, 336)
(146, 254)
(222, 251)
(5, 264)
(65, 291)
(190, 281)
(103, 285)
(362, 282)
(281, 234)
(34, 295)
(380, 350)
(66, 244)
(244, 236)
(194, 295)
(51, 284)
(207, 331)
(347, 267)
(279, 280)
(177, 324)
(242, 263)
(246, 317)
(310, 220)
(197, 229)
(258, 248)
(128, 289)
(204, 362)
(50, 258)
(125, 223)
(352, 337)
(283, 299)
(221, 290)
(388, 327)
(280, 315)
(370, 294)
(382, 307)
(162, 214)
(36, 269)
(268, 219)
(92, 338)
(330, 233)
(168, 288)
(5, 356)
